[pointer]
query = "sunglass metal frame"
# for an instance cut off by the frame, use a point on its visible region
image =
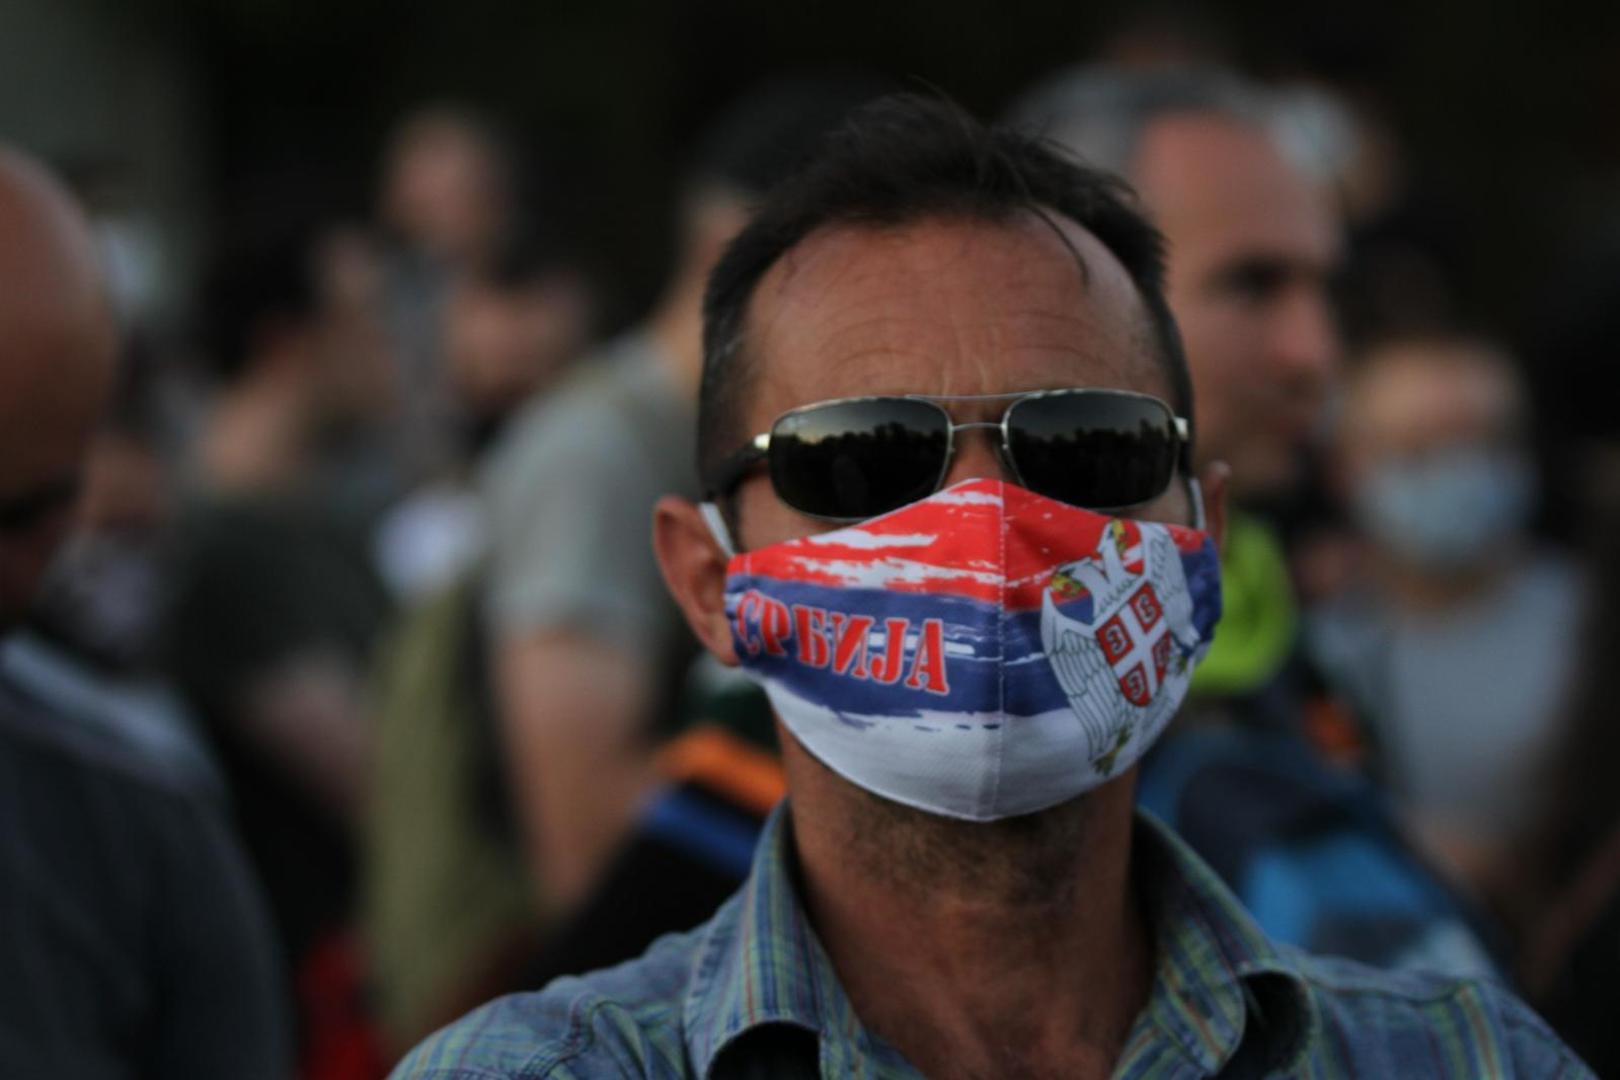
(737, 465)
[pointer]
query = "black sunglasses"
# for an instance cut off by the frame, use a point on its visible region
(855, 458)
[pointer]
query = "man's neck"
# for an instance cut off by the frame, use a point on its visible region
(1008, 948)
(257, 440)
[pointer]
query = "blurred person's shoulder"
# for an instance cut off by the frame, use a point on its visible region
(567, 495)
(124, 888)
(1272, 1008)
(67, 719)
(624, 1020)
(669, 1013)
(620, 400)
(1553, 582)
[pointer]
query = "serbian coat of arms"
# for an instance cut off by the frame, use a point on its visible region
(1117, 628)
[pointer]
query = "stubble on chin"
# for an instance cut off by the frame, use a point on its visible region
(1032, 860)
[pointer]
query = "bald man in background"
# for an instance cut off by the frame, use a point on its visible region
(133, 940)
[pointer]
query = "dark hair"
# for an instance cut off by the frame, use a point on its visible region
(762, 137)
(257, 283)
(899, 160)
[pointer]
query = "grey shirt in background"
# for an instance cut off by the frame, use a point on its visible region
(133, 938)
(1464, 703)
(569, 494)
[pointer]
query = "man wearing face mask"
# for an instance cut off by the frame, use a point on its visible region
(951, 527)
(1433, 646)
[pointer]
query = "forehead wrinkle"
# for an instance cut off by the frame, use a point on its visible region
(779, 282)
(1001, 348)
(872, 333)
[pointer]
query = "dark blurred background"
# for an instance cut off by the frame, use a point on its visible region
(185, 107)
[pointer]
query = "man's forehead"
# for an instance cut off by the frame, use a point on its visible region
(1205, 176)
(948, 306)
(1437, 388)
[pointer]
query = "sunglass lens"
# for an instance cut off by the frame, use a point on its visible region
(857, 459)
(1092, 449)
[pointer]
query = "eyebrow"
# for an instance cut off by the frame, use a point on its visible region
(20, 512)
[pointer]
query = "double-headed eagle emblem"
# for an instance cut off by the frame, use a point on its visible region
(1117, 629)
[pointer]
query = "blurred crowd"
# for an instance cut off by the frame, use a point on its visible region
(369, 542)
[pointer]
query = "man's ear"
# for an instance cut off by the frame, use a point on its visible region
(694, 568)
(1214, 482)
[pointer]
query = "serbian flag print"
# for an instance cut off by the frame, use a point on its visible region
(981, 653)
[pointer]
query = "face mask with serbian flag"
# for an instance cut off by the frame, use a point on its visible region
(982, 653)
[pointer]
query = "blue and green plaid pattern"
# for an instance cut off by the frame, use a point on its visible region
(752, 993)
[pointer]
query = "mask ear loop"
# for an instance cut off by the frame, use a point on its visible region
(716, 522)
(1193, 489)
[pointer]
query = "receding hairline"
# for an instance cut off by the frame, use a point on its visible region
(743, 359)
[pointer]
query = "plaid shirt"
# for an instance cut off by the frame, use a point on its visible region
(752, 993)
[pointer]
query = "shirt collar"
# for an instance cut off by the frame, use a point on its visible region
(760, 966)
(1219, 978)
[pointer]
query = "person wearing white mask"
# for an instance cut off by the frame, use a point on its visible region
(1455, 645)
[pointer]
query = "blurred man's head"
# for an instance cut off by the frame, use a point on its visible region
(447, 184)
(509, 330)
(1253, 245)
(750, 146)
(1433, 449)
(299, 309)
(57, 348)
